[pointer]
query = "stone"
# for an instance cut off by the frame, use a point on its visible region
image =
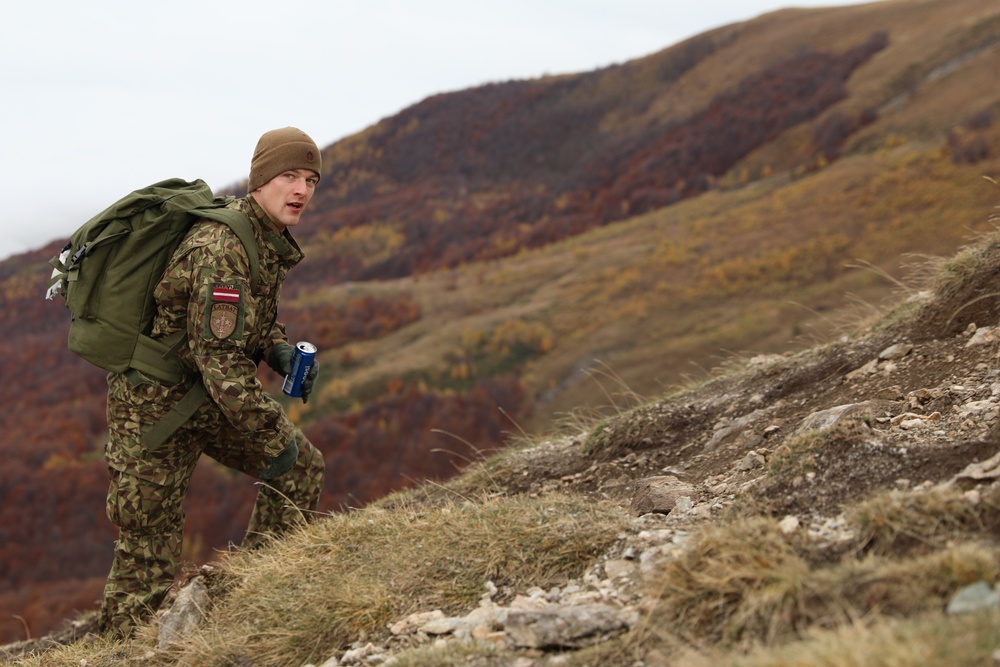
(979, 595)
(412, 623)
(897, 351)
(752, 460)
(788, 525)
(186, 614)
(566, 627)
(619, 569)
(658, 494)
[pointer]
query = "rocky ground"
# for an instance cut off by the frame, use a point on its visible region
(907, 412)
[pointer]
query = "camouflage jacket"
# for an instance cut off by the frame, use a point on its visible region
(206, 290)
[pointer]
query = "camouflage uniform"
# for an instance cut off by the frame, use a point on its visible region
(205, 290)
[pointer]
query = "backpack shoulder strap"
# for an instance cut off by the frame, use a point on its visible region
(241, 226)
(195, 396)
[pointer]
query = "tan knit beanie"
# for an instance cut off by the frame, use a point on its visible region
(280, 150)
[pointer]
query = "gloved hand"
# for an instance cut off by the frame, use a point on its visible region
(280, 358)
(309, 381)
(280, 361)
(281, 463)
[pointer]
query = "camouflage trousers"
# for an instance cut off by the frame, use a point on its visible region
(147, 490)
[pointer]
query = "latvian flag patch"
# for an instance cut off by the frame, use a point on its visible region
(225, 293)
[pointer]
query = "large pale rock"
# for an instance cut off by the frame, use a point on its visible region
(561, 626)
(852, 415)
(658, 494)
(975, 473)
(187, 613)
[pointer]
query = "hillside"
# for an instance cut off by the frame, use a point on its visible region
(837, 505)
(529, 253)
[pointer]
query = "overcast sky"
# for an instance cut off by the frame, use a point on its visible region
(107, 96)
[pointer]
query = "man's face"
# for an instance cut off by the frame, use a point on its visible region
(285, 196)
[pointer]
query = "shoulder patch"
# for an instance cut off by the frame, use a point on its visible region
(225, 310)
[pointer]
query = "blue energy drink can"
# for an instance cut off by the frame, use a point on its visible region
(305, 355)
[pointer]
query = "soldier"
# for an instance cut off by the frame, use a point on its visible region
(230, 327)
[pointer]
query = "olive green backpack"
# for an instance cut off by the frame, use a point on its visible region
(109, 268)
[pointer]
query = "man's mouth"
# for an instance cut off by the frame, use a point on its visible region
(295, 205)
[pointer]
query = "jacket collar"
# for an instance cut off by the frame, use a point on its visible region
(281, 242)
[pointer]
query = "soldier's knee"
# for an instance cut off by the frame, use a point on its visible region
(141, 507)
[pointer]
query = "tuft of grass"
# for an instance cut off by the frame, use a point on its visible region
(746, 584)
(897, 521)
(930, 640)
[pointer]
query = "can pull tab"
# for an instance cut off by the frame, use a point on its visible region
(305, 355)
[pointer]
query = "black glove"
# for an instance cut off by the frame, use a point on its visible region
(281, 463)
(280, 361)
(309, 380)
(280, 358)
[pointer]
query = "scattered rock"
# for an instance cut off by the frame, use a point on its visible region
(752, 460)
(983, 336)
(658, 494)
(893, 352)
(824, 420)
(566, 627)
(788, 525)
(187, 613)
(975, 597)
(974, 473)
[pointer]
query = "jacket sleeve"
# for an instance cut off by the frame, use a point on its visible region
(276, 336)
(222, 326)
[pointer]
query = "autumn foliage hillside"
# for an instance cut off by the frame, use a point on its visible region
(504, 257)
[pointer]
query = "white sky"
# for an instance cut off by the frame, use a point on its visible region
(103, 97)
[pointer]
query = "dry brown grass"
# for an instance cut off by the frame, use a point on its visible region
(353, 575)
(745, 584)
(898, 522)
(929, 640)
